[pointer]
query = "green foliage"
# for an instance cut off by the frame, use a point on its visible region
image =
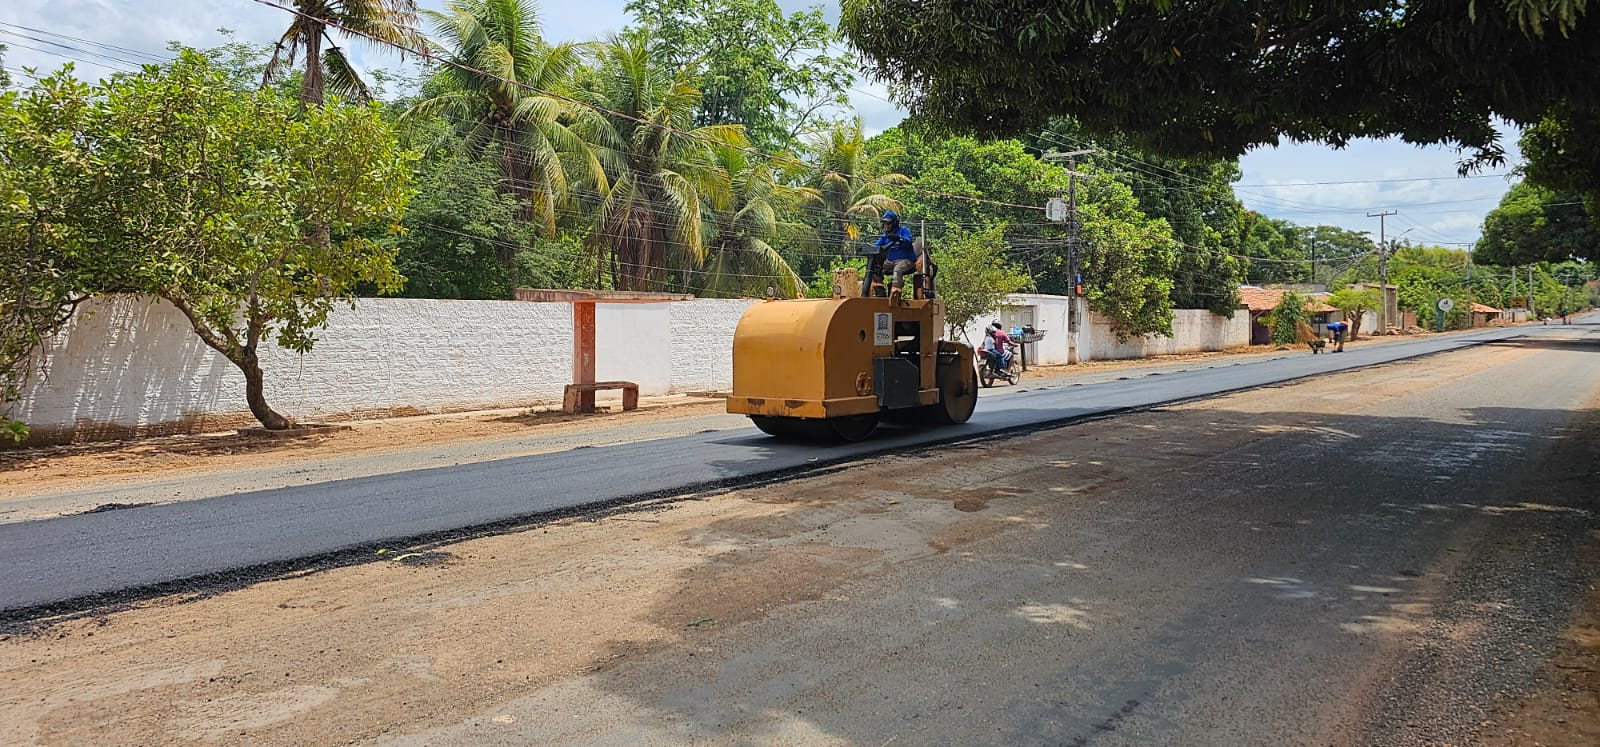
(1193, 195)
(1534, 224)
(1424, 274)
(1285, 319)
(5, 77)
(544, 159)
(821, 285)
(50, 193)
(1127, 261)
(974, 275)
(1355, 303)
(245, 211)
(1276, 243)
(951, 175)
(1563, 155)
(561, 262)
(745, 222)
(456, 230)
(852, 178)
(756, 66)
(649, 228)
(1335, 251)
(1192, 76)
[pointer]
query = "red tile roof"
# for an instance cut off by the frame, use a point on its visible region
(1478, 308)
(1267, 299)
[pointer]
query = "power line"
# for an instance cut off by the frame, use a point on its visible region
(1381, 181)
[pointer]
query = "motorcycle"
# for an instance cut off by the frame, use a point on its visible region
(991, 370)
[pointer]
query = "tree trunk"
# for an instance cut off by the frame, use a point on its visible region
(311, 85)
(226, 342)
(255, 393)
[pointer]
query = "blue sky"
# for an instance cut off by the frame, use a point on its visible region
(1371, 176)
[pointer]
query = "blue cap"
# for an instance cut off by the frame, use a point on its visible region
(890, 215)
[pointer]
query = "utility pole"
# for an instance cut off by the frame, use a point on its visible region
(1513, 293)
(1383, 270)
(1074, 280)
(1531, 311)
(1311, 247)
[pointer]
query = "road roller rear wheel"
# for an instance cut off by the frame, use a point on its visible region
(845, 428)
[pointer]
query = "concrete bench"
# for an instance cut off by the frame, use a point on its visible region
(575, 402)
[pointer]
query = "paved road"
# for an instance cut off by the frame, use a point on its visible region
(77, 557)
(1389, 557)
(182, 486)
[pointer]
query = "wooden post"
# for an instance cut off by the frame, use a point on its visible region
(583, 354)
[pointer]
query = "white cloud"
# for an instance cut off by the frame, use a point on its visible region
(1442, 209)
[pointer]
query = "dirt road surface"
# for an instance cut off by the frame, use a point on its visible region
(1403, 554)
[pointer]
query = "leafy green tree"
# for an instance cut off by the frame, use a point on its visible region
(1562, 153)
(957, 181)
(1286, 319)
(974, 274)
(5, 77)
(543, 157)
(1198, 76)
(245, 211)
(51, 189)
(755, 65)
(1276, 243)
(1424, 274)
(1127, 260)
(1333, 249)
(457, 230)
(1193, 195)
(1355, 303)
(745, 224)
(649, 225)
(390, 22)
(1534, 224)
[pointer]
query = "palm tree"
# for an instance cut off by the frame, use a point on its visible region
(756, 212)
(515, 105)
(661, 169)
(381, 22)
(851, 180)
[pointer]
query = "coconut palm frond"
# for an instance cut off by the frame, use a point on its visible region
(341, 77)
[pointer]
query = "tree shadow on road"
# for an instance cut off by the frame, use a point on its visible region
(1387, 568)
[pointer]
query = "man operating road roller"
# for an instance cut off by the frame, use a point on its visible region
(900, 254)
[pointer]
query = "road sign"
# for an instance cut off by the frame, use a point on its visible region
(1446, 305)
(1056, 210)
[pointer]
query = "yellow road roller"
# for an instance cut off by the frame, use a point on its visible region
(832, 368)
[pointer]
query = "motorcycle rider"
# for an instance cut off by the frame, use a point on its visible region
(990, 349)
(1002, 342)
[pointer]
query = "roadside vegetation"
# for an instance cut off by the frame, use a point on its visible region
(708, 148)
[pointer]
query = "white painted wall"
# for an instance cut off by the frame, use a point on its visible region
(633, 342)
(1193, 331)
(702, 350)
(133, 364)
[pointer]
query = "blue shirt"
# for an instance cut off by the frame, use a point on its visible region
(899, 245)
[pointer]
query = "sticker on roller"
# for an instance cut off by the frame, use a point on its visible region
(882, 330)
